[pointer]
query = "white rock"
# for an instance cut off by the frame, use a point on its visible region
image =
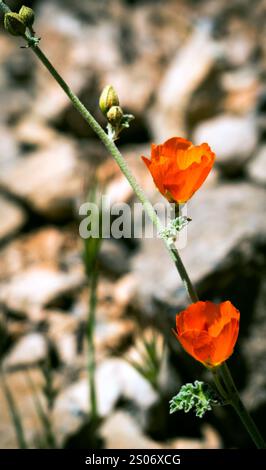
(232, 138)
(37, 286)
(257, 167)
(120, 431)
(183, 76)
(115, 378)
(30, 349)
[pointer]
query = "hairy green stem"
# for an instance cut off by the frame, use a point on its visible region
(235, 400)
(219, 384)
(113, 150)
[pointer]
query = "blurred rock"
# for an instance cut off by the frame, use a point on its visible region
(113, 299)
(121, 431)
(37, 286)
(210, 440)
(124, 291)
(43, 246)
(167, 116)
(232, 138)
(32, 132)
(114, 257)
(113, 335)
(242, 89)
(123, 381)
(239, 45)
(8, 147)
(63, 335)
(12, 217)
(49, 180)
(254, 349)
(28, 350)
(222, 216)
(257, 167)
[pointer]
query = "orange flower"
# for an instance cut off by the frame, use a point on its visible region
(208, 332)
(179, 168)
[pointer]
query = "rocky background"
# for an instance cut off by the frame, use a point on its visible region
(194, 68)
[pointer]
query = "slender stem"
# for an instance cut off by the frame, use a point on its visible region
(218, 384)
(239, 407)
(111, 147)
(91, 349)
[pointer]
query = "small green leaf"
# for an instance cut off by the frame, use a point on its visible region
(199, 396)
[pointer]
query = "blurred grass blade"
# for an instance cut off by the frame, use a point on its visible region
(92, 244)
(15, 416)
(91, 250)
(43, 416)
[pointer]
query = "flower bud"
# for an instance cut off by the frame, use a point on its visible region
(27, 15)
(14, 24)
(115, 115)
(108, 99)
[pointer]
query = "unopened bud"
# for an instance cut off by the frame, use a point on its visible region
(14, 24)
(115, 115)
(27, 15)
(108, 99)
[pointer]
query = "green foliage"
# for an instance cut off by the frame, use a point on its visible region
(48, 439)
(199, 396)
(151, 354)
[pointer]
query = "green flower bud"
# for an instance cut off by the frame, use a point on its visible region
(115, 115)
(14, 24)
(27, 15)
(108, 99)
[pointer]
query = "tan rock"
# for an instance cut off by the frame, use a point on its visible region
(12, 217)
(37, 286)
(167, 116)
(120, 431)
(31, 131)
(42, 246)
(50, 180)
